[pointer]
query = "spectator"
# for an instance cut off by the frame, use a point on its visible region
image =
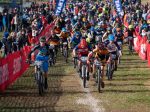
(1, 23)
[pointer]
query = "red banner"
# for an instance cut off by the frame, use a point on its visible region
(148, 54)
(143, 49)
(14, 65)
(136, 44)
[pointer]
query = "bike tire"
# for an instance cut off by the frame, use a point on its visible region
(99, 80)
(75, 62)
(40, 83)
(65, 55)
(84, 75)
(130, 48)
(109, 71)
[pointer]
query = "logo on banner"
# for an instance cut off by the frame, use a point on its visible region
(143, 48)
(17, 65)
(60, 6)
(119, 7)
(4, 73)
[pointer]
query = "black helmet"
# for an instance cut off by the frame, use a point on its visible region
(43, 39)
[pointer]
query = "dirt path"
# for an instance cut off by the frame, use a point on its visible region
(64, 94)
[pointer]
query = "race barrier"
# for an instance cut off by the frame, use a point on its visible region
(14, 65)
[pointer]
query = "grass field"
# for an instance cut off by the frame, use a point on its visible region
(129, 90)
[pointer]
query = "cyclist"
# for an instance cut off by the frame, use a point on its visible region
(43, 55)
(113, 49)
(76, 39)
(119, 37)
(82, 49)
(63, 37)
(101, 54)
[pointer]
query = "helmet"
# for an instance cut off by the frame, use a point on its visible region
(77, 34)
(43, 39)
(111, 37)
(64, 30)
(84, 19)
(130, 27)
(75, 17)
(92, 29)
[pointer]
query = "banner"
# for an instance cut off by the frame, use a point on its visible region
(148, 54)
(59, 6)
(136, 44)
(12, 67)
(119, 7)
(143, 49)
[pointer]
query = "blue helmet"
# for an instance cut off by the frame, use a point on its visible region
(64, 30)
(92, 29)
(111, 37)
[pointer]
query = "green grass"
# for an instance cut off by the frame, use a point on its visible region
(127, 92)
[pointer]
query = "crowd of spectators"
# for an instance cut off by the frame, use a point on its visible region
(20, 28)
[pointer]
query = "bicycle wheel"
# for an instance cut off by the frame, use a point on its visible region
(65, 55)
(109, 71)
(99, 80)
(40, 82)
(130, 48)
(84, 75)
(75, 62)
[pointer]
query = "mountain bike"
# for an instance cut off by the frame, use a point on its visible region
(130, 44)
(98, 75)
(39, 75)
(52, 57)
(119, 57)
(65, 51)
(84, 70)
(111, 66)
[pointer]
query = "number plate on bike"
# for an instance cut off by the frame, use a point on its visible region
(84, 58)
(114, 56)
(38, 63)
(97, 63)
(119, 43)
(65, 43)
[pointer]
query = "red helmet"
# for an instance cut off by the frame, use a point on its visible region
(83, 43)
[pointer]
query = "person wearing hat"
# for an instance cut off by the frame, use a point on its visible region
(43, 55)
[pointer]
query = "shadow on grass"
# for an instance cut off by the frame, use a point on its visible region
(133, 78)
(126, 91)
(112, 84)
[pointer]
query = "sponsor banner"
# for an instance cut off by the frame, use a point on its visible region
(136, 44)
(119, 7)
(12, 67)
(148, 54)
(59, 6)
(143, 49)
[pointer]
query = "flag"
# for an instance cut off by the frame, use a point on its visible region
(59, 6)
(119, 7)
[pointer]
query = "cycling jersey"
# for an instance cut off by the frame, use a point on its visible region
(82, 48)
(54, 40)
(43, 55)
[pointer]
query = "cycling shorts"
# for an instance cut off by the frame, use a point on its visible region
(45, 63)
